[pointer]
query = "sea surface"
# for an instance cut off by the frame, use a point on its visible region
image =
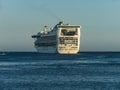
(83, 71)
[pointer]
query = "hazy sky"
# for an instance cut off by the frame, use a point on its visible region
(100, 21)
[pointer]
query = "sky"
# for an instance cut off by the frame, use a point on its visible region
(99, 19)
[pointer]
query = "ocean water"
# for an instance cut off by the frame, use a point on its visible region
(83, 71)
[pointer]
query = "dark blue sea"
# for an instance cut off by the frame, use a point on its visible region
(83, 71)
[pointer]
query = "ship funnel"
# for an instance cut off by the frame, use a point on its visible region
(60, 23)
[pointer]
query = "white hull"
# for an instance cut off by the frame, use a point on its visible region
(68, 50)
(46, 49)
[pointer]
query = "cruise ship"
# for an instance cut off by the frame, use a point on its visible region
(62, 39)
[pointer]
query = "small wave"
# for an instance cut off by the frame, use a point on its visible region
(60, 62)
(101, 57)
(57, 79)
(5, 68)
(12, 63)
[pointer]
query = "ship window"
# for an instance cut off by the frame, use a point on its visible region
(69, 32)
(45, 44)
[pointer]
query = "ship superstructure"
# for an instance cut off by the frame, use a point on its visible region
(63, 39)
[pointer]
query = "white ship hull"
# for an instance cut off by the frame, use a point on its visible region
(46, 49)
(69, 50)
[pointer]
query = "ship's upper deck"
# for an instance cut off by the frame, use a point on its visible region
(47, 31)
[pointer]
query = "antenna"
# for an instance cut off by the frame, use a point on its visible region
(51, 13)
